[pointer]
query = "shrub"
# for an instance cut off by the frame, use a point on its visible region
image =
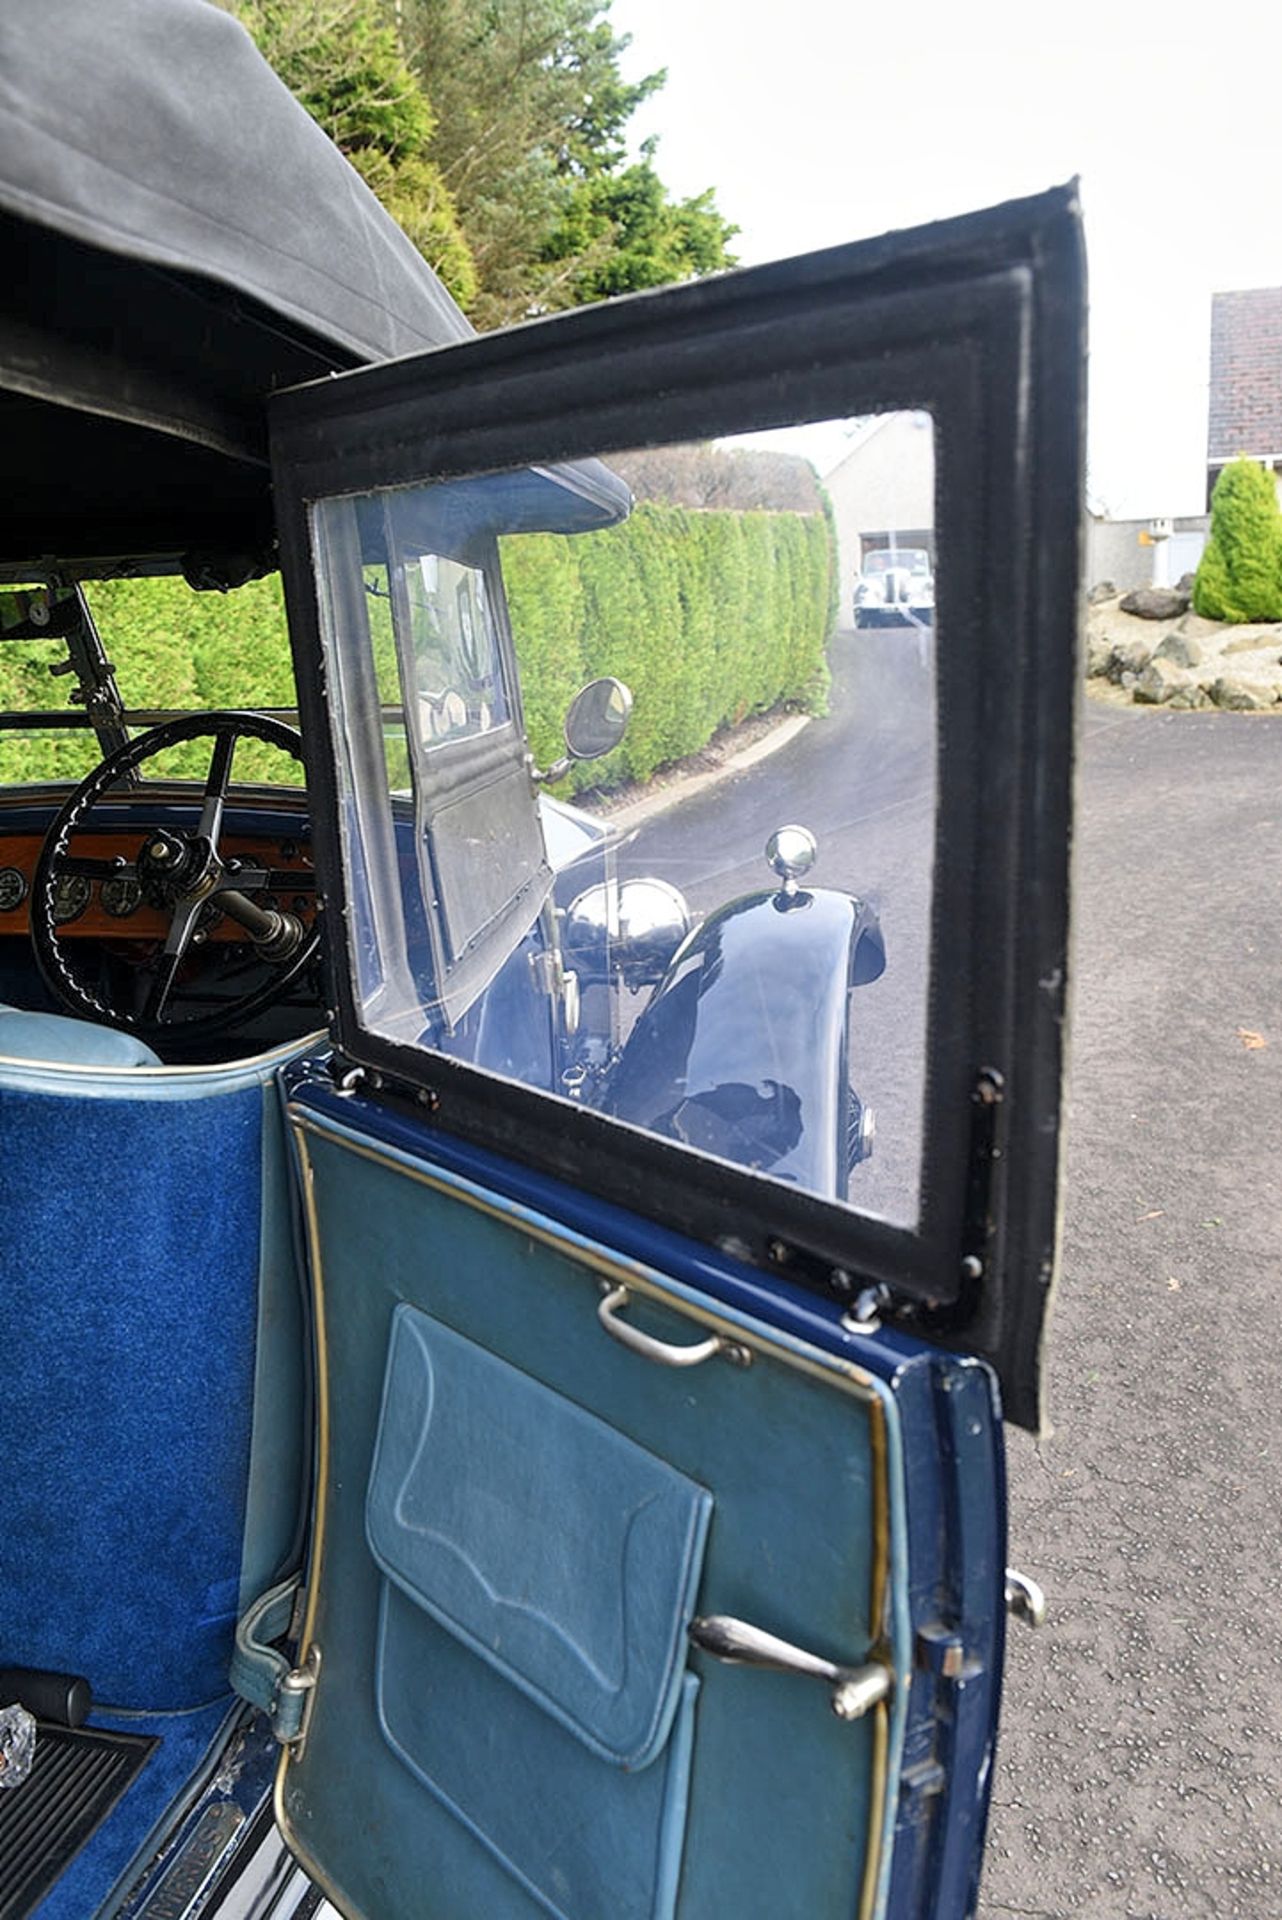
(1240, 574)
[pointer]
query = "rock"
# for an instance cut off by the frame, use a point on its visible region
(1213, 631)
(1251, 639)
(1129, 656)
(1156, 603)
(1105, 590)
(1099, 654)
(1160, 681)
(1185, 583)
(1181, 649)
(1129, 682)
(1244, 695)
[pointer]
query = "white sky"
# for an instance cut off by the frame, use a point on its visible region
(818, 122)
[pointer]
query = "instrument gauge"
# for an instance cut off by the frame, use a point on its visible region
(13, 889)
(121, 895)
(70, 898)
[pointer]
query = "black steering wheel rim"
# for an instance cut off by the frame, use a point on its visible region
(226, 726)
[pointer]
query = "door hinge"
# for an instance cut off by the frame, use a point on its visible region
(295, 1701)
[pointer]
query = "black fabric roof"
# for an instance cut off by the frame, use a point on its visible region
(154, 129)
(180, 240)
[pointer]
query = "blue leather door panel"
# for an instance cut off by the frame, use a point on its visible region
(484, 1442)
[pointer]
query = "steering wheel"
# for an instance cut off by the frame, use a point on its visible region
(181, 872)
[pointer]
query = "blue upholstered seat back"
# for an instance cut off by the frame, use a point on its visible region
(57, 1040)
(150, 1323)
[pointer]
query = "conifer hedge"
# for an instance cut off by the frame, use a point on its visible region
(708, 617)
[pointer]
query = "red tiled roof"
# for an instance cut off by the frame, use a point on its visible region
(1246, 374)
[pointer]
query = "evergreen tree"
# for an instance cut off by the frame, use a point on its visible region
(531, 142)
(1240, 574)
(343, 60)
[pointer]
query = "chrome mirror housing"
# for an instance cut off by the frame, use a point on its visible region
(597, 719)
(595, 725)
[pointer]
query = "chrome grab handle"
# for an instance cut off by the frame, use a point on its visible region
(1025, 1600)
(739, 1644)
(662, 1351)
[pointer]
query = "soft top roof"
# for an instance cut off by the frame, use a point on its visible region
(182, 239)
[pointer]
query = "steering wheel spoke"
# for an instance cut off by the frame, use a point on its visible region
(177, 941)
(89, 869)
(211, 814)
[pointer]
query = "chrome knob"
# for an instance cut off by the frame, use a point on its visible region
(791, 851)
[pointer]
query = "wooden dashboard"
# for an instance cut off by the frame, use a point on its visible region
(114, 909)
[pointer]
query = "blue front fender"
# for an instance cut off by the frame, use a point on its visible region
(742, 1051)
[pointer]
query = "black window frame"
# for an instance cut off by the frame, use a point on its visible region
(979, 322)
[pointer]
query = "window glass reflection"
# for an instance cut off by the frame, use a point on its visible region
(719, 930)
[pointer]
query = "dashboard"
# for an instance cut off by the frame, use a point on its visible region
(114, 909)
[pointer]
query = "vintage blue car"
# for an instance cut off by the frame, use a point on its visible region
(478, 1439)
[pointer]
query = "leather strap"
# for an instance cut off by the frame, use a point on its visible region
(258, 1670)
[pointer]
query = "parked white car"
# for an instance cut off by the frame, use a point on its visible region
(896, 588)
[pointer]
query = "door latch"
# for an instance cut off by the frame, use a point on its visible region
(854, 1689)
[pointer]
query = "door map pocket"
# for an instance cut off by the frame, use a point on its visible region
(539, 1573)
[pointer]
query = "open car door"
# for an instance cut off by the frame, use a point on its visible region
(658, 1553)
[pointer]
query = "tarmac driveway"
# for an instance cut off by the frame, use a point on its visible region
(1141, 1757)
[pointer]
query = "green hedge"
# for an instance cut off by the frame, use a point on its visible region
(170, 648)
(708, 616)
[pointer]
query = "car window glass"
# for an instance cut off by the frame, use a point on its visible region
(769, 601)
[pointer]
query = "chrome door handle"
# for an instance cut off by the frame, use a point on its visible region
(662, 1351)
(740, 1644)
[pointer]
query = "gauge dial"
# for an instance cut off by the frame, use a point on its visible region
(70, 898)
(121, 895)
(13, 889)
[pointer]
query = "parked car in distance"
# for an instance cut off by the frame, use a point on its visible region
(895, 589)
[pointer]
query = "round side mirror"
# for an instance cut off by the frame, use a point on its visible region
(597, 720)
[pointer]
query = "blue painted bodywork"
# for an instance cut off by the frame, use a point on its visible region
(742, 1051)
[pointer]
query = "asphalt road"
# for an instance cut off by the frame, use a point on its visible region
(1140, 1767)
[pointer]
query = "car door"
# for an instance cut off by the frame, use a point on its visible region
(657, 1564)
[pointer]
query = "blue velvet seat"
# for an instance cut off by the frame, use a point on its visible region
(151, 1417)
(55, 1038)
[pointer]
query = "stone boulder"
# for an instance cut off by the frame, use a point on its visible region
(1103, 590)
(1181, 649)
(1130, 657)
(1156, 603)
(1161, 680)
(1248, 639)
(1245, 693)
